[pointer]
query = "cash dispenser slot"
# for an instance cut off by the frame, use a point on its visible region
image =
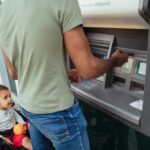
(119, 81)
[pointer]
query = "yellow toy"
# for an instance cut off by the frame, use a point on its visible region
(19, 129)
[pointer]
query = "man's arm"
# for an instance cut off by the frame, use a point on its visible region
(12, 72)
(86, 63)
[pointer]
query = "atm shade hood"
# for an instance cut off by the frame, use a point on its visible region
(128, 14)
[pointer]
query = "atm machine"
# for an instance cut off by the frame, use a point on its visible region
(123, 92)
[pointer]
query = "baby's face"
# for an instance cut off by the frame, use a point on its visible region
(5, 99)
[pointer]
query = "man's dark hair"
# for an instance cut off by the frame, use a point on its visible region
(3, 87)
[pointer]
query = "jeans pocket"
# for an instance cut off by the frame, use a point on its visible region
(55, 129)
(53, 126)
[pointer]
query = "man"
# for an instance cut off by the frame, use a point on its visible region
(33, 35)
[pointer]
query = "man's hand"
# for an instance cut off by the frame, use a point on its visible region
(120, 58)
(11, 70)
(73, 75)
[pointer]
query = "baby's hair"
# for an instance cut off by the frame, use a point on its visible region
(3, 87)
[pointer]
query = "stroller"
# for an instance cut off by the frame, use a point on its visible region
(6, 146)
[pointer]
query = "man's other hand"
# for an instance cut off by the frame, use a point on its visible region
(73, 75)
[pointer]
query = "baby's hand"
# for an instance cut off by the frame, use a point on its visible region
(7, 140)
(25, 128)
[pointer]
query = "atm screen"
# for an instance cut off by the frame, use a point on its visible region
(127, 67)
(141, 68)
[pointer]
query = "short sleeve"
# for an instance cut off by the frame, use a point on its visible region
(71, 15)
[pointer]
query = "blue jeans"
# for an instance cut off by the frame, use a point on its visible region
(66, 129)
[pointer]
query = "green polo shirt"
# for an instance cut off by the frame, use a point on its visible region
(31, 32)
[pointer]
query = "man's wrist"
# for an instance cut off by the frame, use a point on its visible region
(114, 61)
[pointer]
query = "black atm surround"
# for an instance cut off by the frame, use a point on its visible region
(145, 120)
(145, 10)
(132, 40)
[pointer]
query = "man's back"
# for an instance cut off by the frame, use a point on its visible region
(31, 32)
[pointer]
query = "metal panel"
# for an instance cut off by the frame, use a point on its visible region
(112, 100)
(115, 13)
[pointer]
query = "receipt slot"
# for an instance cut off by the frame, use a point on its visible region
(123, 92)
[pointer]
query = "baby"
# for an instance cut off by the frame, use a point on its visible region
(8, 120)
